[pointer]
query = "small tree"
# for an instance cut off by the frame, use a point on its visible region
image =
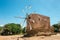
(1, 28)
(12, 28)
(57, 27)
(24, 30)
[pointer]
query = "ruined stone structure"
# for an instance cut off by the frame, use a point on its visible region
(38, 25)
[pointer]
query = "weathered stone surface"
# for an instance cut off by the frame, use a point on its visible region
(38, 24)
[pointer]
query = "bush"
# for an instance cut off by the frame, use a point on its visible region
(11, 29)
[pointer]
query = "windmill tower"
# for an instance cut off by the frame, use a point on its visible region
(38, 25)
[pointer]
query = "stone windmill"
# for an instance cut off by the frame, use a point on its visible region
(37, 25)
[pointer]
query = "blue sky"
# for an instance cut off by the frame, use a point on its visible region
(11, 8)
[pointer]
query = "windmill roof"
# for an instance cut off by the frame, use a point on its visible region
(39, 15)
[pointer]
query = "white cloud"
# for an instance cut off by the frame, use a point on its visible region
(1, 25)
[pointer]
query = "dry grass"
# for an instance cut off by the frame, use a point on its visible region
(18, 37)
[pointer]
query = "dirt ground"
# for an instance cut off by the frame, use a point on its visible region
(19, 37)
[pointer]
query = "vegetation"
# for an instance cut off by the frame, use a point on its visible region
(56, 27)
(11, 29)
(23, 31)
(1, 28)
